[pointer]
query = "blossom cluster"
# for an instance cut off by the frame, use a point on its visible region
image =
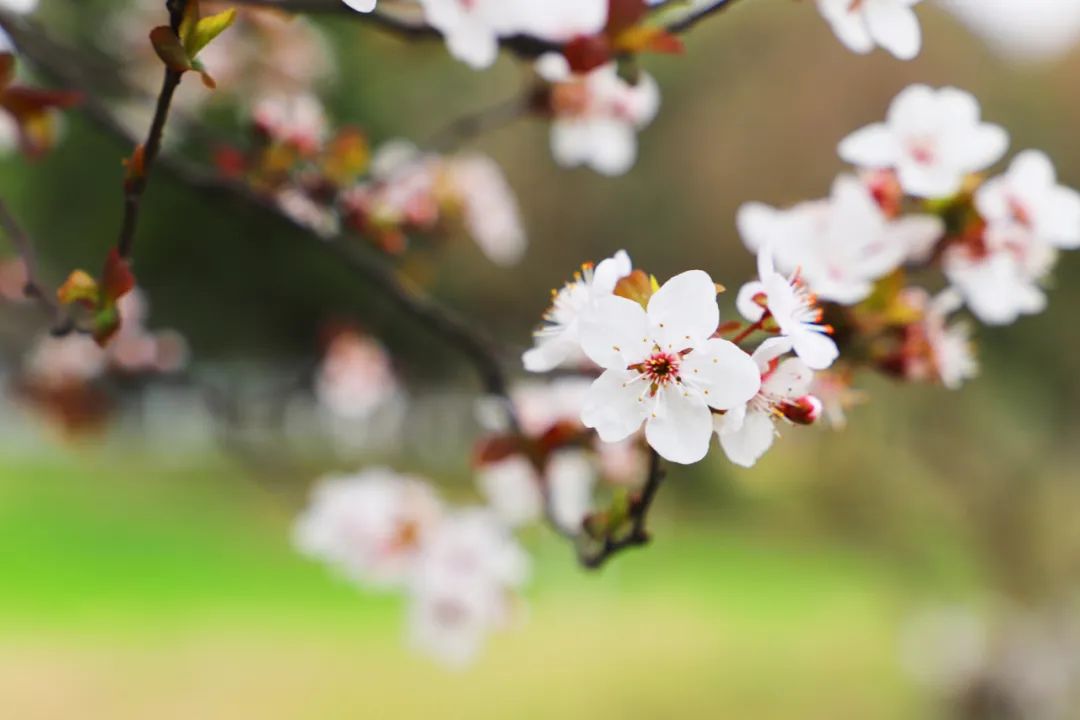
(922, 207)
(667, 363)
(460, 567)
(332, 182)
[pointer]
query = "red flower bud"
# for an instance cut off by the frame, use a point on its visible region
(803, 411)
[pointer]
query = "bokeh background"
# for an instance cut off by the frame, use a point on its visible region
(147, 571)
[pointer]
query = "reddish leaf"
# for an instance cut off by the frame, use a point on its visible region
(117, 279)
(169, 48)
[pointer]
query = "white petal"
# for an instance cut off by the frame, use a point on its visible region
(610, 271)
(615, 332)
(769, 350)
(571, 476)
(745, 303)
(874, 146)
(746, 445)
(684, 313)
(792, 379)
(725, 375)
(363, 6)
(816, 349)
(550, 353)
(894, 27)
(612, 147)
(983, 146)
(680, 428)
(916, 234)
(615, 405)
(1061, 225)
(847, 24)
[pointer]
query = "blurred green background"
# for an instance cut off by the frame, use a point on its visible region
(138, 583)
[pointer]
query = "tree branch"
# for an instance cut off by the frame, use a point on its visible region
(638, 534)
(35, 288)
(135, 189)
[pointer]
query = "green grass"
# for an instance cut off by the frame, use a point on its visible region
(130, 592)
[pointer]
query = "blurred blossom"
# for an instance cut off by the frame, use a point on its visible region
(19, 6)
(297, 120)
(840, 245)
(371, 526)
(463, 586)
(950, 356)
(356, 376)
(932, 138)
(944, 647)
(541, 405)
(134, 349)
(863, 25)
(1029, 195)
(1028, 30)
(304, 210)
(833, 388)
(1000, 274)
(489, 207)
(596, 117)
(558, 339)
(472, 29)
(56, 362)
(514, 489)
(13, 279)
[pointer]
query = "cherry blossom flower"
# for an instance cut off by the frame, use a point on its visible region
(371, 525)
(841, 245)
(747, 431)
(662, 367)
(1029, 195)
(933, 138)
(792, 307)
(58, 362)
(306, 211)
(135, 349)
(558, 341)
(951, 349)
(863, 24)
(490, 210)
(20, 7)
(355, 377)
(597, 116)
(472, 28)
(999, 278)
(297, 120)
(462, 588)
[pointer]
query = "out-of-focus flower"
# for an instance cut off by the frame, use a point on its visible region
(933, 138)
(305, 210)
(490, 210)
(663, 367)
(1032, 30)
(515, 490)
(297, 120)
(356, 377)
(21, 7)
(792, 307)
(864, 24)
(135, 349)
(371, 526)
(597, 116)
(1029, 195)
(57, 362)
(932, 348)
(463, 586)
(833, 388)
(840, 245)
(558, 341)
(472, 29)
(747, 431)
(999, 276)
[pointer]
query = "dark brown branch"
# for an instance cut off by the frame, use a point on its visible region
(134, 189)
(638, 533)
(687, 22)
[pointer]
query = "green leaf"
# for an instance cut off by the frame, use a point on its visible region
(205, 30)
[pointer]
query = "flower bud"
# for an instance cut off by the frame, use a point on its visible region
(803, 411)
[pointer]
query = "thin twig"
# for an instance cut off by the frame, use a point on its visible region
(35, 288)
(638, 534)
(134, 190)
(686, 23)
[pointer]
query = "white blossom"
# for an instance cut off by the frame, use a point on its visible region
(558, 341)
(663, 367)
(747, 431)
(490, 209)
(298, 120)
(792, 307)
(598, 115)
(463, 586)
(933, 139)
(863, 24)
(355, 377)
(1031, 30)
(841, 245)
(514, 489)
(1000, 278)
(371, 526)
(364, 6)
(1029, 195)
(950, 345)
